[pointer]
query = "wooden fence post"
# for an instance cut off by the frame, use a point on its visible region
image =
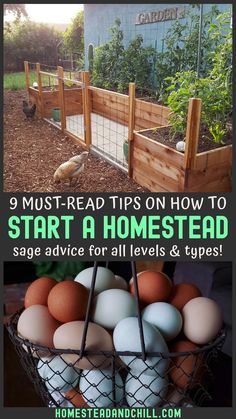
(27, 79)
(60, 73)
(39, 80)
(86, 108)
(131, 126)
(192, 132)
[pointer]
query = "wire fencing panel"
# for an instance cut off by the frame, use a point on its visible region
(74, 109)
(109, 124)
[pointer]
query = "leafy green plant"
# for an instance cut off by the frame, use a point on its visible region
(107, 59)
(59, 270)
(217, 132)
(136, 65)
(180, 45)
(215, 89)
(114, 66)
(182, 86)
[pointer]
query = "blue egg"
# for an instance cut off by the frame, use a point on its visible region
(57, 374)
(143, 390)
(126, 337)
(165, 317)
(96, 387)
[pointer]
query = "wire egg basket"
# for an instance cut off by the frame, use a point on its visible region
(112, 378)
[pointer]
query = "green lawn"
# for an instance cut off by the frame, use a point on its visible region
(15, 81)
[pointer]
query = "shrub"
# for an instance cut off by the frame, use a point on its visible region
(136, 65)
(114, 66)
(74, 38)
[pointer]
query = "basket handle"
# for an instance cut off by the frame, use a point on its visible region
(136, 296)
(88, 310)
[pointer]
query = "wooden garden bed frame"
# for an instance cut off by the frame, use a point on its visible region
(162, 168)
(153, 165)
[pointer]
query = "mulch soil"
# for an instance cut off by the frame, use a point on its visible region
(33, 149)
(205, 143)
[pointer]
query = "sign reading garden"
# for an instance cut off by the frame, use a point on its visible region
(160, 15)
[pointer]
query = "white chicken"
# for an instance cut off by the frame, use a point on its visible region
(71, 169)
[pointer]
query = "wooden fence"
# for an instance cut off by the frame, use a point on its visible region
(151, 164)
(85, 99)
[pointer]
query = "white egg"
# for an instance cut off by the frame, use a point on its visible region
(203, 320)
(180, 146)
(165, 317)
(96, 387)
(126, 337)
(132, 279)
(104, 279)
(111, 306)
(120, 283)
(57, 375)
(143, 390)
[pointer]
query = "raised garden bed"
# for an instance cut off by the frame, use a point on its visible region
(153, 160)
(49, 99)
(205, 143)
(158, 166)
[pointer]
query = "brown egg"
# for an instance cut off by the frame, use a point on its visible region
(153, 287)
(182, 293)
(185, 370)
(67, 301)
(75, 397)
(37, 292)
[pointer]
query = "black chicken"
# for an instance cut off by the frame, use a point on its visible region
(28, 111)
